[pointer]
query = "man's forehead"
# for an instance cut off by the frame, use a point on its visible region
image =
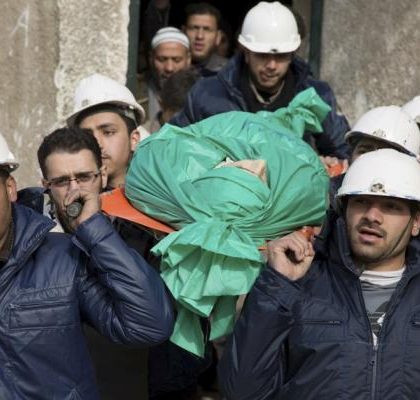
(170, 49)
(202, 20)
(101, 118)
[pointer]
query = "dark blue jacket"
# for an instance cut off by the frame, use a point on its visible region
(222, 93)
(50, 285)
(170, 368)
(311, 339)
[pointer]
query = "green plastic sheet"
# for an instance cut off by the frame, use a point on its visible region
(223, 214)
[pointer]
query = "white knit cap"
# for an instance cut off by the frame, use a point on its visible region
(170, 34)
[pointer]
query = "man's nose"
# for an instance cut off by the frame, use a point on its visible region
(73, 183)
(271, 63)
(199, 33)
(169, 66)
(374, 214)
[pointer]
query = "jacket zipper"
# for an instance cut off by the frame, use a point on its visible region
(375, 346)
(322, 321)
(38, 305)
(373, 364)
(374, 359)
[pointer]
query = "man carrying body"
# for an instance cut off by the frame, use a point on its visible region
(109, 112)
(51, 283)
(75, 152)
(266, 75)
(339, 321)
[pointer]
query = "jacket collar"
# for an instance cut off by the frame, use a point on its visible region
(232, 71)
(30, 230)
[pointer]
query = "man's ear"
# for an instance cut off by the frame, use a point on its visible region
(104, 176)
(44, 183)
(134, 139)
(11, 188)
(416, 225)
(218, 37)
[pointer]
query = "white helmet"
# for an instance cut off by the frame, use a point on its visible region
(98, 89)
(384, 172)
(388, 124)
(270, 28)
(412, 108)
(7, 159)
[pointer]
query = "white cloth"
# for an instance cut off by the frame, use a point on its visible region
(382, 278)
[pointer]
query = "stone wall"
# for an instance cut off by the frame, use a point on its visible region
(46, 48)
(370, 52)
(28, 60)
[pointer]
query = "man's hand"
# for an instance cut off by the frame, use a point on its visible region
(334, 166)
(291, 255)
(90, 205)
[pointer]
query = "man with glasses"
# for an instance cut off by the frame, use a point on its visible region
(73, 173)
(202, 26)
(52, 283)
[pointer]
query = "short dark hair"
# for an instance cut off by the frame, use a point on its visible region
(176, 87)
(202, 8)
(68, 140)
(130, 123)
(4, 172)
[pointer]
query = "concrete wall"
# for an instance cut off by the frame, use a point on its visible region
(46, 48)
(93, 37)
(29, 56)
(370, 52)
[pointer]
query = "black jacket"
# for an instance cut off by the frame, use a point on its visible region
(159, 370)
(222, 93)
(311, 339)
(52, 283)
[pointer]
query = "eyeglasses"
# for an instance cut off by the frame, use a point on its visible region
(81, 177)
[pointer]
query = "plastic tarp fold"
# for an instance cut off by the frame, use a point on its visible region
(224, 213)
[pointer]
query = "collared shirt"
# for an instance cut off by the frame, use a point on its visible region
(257, 101)
(268, 99)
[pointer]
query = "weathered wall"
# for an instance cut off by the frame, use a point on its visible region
(46, 48)
(93, 37)
(28, 60)
(370, 52)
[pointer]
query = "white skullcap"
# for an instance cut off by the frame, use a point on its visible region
(170, 34)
